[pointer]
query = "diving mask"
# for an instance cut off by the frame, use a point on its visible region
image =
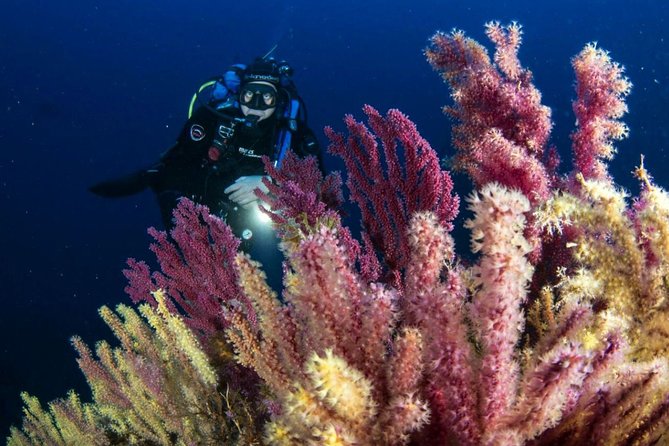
(258, 96)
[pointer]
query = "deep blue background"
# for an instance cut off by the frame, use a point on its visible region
(91, 89)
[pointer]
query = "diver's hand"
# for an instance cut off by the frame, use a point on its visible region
(126, 185)
(241, 191)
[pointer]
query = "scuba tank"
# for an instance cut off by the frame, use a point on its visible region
(223, 89)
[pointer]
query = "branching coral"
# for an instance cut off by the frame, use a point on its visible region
(156, 388)
(476, 366)
(393, 341)
(601, 90)
(501, 129)
(197, 274)
(68, 422)
(608, 277)
(325, 354)
(624, 254)
(392, 182)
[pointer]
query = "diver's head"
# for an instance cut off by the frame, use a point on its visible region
(262, 88)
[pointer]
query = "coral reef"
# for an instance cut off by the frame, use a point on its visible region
(556, 334)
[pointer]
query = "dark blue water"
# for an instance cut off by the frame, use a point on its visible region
(91, 89)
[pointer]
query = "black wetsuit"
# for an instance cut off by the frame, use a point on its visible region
(215, 148)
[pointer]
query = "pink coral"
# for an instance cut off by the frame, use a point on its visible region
(300, 199)
(343, 331)
(502, 128)
(388, 185)
(299, 191)
(601, 89)
(437, 308)
(196, 269)
(501, 278)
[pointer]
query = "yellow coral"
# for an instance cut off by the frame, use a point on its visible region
(68, 422)
(556, 213)
(303, 405)
(186, 341)
(157, 387)
(623, 257)
(541, 314)
(334, 406)
(279, 434)
(341, 387)
(590, 340)
(331, 436)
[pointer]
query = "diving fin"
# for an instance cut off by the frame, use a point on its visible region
(124, 186)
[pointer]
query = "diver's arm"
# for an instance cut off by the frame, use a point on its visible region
(178, 155)
(126, 185)
(150, 177)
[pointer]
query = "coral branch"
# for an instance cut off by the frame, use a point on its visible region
(501, 279)
(601, 89)
(386, 193)
(501, 127)
(197, 269)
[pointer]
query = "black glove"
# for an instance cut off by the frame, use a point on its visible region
(126, 185)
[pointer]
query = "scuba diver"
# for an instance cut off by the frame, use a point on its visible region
(249, 112)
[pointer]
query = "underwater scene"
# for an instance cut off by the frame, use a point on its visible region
(334, 223)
